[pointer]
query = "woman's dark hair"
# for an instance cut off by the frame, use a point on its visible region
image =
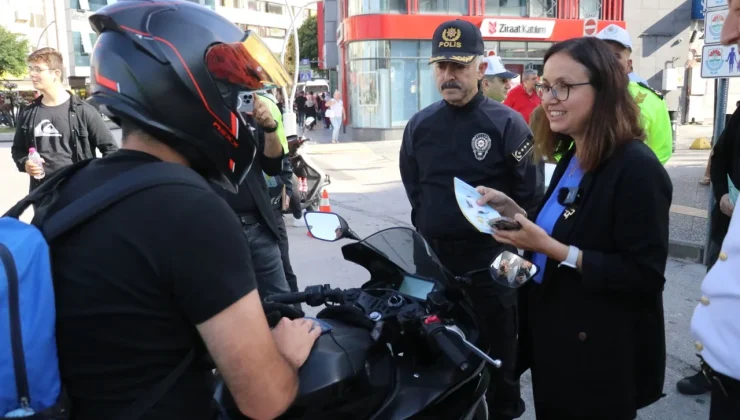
(615, 117)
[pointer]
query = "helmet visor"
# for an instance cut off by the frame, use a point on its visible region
(240, 69)
(248, 64)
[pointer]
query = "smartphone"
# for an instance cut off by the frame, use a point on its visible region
(504, 223)
(245, 103)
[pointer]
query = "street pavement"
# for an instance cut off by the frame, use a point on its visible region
(366, 190)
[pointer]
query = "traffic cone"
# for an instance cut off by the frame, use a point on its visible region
(324, 205)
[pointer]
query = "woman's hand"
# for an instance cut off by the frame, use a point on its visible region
(500, 202)
(530, 237)
(726, 206)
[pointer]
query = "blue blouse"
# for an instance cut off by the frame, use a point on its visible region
(552, 210)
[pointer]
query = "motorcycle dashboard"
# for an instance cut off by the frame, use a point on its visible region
(417, 287)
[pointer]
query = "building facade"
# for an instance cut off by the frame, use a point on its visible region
(64, 26)
(384, 47)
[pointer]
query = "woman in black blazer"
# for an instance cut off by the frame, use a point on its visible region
(591, 321)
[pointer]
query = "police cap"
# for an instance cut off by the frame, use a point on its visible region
(458, 41)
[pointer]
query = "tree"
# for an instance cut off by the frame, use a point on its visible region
(308, 37)
(13, 53)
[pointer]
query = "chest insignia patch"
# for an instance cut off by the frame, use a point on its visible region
(523, 149)
(481, 145)
(640, 97)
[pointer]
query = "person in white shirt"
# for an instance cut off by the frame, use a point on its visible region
(335, 113)
(716, 321)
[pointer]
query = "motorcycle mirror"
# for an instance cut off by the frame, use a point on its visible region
(511, 270)
(328, 227)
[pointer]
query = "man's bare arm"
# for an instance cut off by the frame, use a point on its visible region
(262, 381)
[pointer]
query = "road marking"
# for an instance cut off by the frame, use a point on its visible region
(688, 211)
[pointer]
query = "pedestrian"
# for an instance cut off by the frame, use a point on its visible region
(311, 109)
(591, 321)
(482, 142)
(523, 99)
(335, 113)
(62, 128)
(300, 107)
(496, 81)
(653, 111)
(280, 190)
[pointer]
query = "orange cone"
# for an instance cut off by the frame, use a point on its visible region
(324, 204)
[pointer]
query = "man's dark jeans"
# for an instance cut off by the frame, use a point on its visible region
(267, 261)
(498, 311)
(285, 252)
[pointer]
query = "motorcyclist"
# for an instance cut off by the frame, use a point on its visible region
(164, 271)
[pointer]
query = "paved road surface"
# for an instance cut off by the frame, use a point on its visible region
(366, 190)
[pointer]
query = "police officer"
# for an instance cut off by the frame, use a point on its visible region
(655, 119)
(482, 142)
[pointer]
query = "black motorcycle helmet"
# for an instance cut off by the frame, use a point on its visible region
(177, 70)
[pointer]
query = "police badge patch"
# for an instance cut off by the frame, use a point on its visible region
(523, 149)
(481, 145)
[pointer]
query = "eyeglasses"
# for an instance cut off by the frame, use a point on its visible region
(560, 91)
(36, 70)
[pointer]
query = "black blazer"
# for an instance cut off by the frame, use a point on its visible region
(595, 340)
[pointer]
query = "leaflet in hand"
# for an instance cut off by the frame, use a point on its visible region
(732, 191)
(478, 216)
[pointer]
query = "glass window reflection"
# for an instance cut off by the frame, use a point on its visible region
(361, 7)
(512, 49)
(506, 7)
(444, 7)
(386, 93)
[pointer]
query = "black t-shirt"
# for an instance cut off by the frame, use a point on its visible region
(51, 136)
(132, 284)
(301, 102)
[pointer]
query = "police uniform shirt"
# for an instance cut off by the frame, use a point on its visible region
(482, 143)
(716, 321)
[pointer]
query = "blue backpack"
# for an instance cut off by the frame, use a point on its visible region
(30, 386)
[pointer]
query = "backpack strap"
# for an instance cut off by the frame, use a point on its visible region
(123, 186)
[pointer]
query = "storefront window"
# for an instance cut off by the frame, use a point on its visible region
(444, 7)
(91, 5)
(369, 81)
(386, 93)
(363, 7)
(506, 7)
(537, 49)
(83, 45)
(512, 49)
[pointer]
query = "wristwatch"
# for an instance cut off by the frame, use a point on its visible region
(271, 130)
(572, 259)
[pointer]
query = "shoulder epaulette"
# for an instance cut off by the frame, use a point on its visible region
(660, 95)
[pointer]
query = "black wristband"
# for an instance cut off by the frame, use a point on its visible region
(270, 130)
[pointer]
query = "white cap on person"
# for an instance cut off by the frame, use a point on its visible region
(617, 34)
(496, 68)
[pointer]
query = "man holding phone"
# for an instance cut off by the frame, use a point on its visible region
(252, 202)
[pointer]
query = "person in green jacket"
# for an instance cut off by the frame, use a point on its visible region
(278, 116)
(653, 111)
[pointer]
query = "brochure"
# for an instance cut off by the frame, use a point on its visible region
(732, 191)
(467, 199)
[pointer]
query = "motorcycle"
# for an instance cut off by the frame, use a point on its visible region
(305, 167)
(406, 344)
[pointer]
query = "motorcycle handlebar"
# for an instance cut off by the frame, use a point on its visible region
(446, 346)
(312, 296)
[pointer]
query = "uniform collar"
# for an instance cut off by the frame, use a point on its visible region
(477, 99)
